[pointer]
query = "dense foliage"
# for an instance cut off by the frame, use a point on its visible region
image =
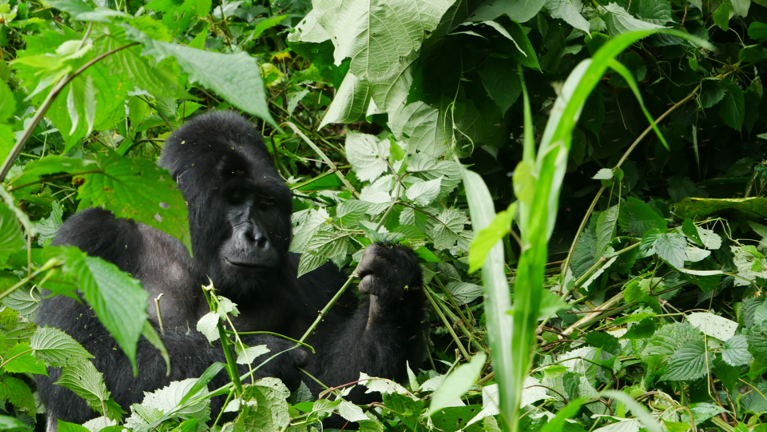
(635, 260)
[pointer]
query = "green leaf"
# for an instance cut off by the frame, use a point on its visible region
(11, 238)
(23, 361)
(138, 189)
(457, 383)
(263, 25)
(713, 325)
(118, 300)
(18, 393)
(7, 103)
(687, 363)
(671, 248)
(607, 342)
(637, 218)
(55, 347)
(733, 106)
(487, 238)
(82, 11)
(375, 37)
(565, 10)
(422, 126)
(265, 408)
(722, 16)
(350, 103)
(86, 382)
(12, 424)
(656, 11)
(619, 21)
(648, 421)
(497, 300)
(642, 330)
(691, 231)
(735, 351)
(606, 229)
(235, 77)
(501, 84)
(519, 11)
(367, 154)
(758, 30)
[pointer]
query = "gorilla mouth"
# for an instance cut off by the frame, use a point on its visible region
(250, 265)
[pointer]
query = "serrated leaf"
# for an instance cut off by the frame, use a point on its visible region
(733, 107)
(55, 347)
(565, 10)
(82, 11)
(606, 228)
(140, 190)
(637, 218)
(671, 247)
(619, 21)
(11, 238)
(735, 351)
(465, 292)
(421, 127)
(687, 363)
(235, 77)
(367, 154)
(118, 300)
(375, 35)
(88, 383)
(713, 325)
(424, 192)
(350, 103)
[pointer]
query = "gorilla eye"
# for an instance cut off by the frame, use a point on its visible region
(265, 202)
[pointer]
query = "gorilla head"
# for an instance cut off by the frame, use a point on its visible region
(239, 207)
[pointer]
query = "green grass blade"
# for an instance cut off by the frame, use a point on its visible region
(497, 301)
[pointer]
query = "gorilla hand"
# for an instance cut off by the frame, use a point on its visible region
(388, 273)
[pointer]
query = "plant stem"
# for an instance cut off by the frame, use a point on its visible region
(327, 307)
(47, 104)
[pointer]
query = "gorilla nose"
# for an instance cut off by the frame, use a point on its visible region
(253, 237)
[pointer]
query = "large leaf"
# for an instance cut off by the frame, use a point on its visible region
(86, 382)
(235, 77)
(56, 348)
(374, 34)
(137, 189)
(118, 300)
(11, 239)
(457, 383)
(688, 363)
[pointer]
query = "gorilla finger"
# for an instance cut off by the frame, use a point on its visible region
(369, 284)
(299, 357)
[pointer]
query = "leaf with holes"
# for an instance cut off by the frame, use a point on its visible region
(140, 190)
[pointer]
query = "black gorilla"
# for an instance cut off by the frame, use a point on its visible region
(239, 218)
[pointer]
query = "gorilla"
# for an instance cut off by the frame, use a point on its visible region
(239, 219)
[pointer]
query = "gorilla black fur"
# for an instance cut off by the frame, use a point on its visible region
(239, 218)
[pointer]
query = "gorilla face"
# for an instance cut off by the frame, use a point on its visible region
(255, 210)
(239, 207)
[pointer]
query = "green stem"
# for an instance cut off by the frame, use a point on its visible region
(447, 323)
(47, 104)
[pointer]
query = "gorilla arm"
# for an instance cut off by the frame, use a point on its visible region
(384, 333)
(163, 266)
